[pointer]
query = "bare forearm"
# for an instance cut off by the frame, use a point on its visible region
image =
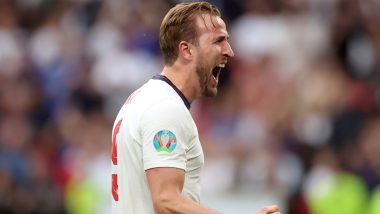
(181, 205)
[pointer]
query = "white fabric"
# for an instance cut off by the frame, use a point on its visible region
(154, 107)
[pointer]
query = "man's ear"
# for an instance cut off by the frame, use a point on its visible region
(185, 50)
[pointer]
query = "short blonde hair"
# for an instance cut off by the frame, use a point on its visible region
(179, 25)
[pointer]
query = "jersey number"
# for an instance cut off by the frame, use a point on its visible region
(115, 194)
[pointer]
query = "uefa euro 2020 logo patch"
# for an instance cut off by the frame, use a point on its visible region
(165, 140)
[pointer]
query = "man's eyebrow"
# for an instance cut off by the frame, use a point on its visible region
(222, 37)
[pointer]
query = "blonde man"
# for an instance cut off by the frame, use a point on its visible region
(156, 153)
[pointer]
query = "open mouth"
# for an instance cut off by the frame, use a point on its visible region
(216, 70)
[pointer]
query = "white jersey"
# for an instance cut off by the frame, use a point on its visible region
(154, 128)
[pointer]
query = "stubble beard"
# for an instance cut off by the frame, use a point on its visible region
(204, 76)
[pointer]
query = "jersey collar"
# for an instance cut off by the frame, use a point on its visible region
(165, 79)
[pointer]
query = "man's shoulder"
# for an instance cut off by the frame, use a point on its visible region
(156, 93)
(165, 107)
(155, 96)
(157, 89)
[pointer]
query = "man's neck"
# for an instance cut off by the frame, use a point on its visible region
(183, 79)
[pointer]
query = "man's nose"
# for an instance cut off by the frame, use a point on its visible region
(228, 51)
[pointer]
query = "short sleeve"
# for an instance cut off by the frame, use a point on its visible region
(164, 136)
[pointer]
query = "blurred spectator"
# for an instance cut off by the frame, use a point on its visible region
(329, 189)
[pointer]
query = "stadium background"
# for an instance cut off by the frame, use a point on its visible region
(296, 121)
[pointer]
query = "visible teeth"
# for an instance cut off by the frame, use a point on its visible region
(221, 65)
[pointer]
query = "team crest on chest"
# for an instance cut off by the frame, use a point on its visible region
(165, 140)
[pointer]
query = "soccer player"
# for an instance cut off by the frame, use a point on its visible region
(156, 153)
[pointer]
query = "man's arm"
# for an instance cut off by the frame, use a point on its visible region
(166, 185)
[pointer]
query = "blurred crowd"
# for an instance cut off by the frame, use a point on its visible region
(297, 113)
